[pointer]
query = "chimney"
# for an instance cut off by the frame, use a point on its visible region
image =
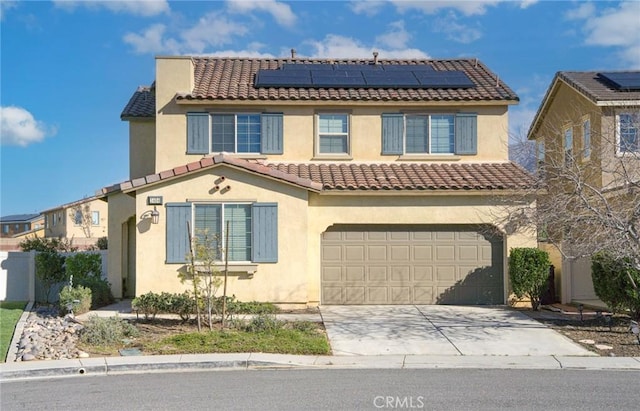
(375, 57)
(293, 53)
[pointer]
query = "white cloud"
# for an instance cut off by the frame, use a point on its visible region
(6, 5)
(18, 127)
(468, 8)
(281, 12)
(455, 31)
(613, 27)
(583, 11)
(524, 4)
(368, 7)
(335, 46)
(151, 41)
(145, 8)
(396, 38)
(212, 30)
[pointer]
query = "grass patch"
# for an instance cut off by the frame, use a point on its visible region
(10, 312)
(281, 341)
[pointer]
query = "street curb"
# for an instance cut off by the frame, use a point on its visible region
(220, 362)
(17, 333)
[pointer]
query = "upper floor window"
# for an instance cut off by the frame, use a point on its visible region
(5, 228)
(26, 227)
(628, 133)
(586, 138)
(429, 133)
(241, 133)
(333, 133)
(77, 218)
(568, 146)
(95, 218)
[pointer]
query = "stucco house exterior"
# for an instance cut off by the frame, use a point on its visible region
(344, 181)
(83, 221)
(19, 225)
(588, 121)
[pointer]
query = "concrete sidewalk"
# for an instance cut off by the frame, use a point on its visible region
(13, 371)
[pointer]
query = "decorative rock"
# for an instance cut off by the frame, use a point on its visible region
(47, 336)
(604, 347)
(82, 354)
(591, 342)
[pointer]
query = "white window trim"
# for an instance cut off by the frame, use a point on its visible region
(96, 223)
(565, 148)
(223, 225)
(235, 131)
(429, 152)
(619, 152)
(318, 153)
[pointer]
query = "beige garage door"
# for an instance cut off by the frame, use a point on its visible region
(411, 265)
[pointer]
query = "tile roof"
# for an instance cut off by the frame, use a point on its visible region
(71, 204)
(233, 79)
(141, 105)
(358, 176)
(595, 88)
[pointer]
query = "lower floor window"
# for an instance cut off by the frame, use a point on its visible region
(210, 227)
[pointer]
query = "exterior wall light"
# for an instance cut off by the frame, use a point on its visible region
(153, 214)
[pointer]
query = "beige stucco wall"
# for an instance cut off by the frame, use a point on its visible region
(142, 142)
(175, 75)
(66, 228)
(302, 218)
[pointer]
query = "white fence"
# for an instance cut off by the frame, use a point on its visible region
(18, 281)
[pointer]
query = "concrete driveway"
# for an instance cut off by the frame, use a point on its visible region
(440, 330)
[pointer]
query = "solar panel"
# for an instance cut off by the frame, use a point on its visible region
(356, 75)
(391, 79)
(444, 79)
(278, 78)
(623, 80)
(337, 81)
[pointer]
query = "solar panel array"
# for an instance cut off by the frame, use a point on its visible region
(623, 80)
(361, 76)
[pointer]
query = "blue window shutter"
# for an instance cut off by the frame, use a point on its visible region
(466, 133)
(177, 234)
(197, 133)
(271, 133)
(392, 133)
(265, 232)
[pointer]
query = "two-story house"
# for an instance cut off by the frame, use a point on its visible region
(340, 181)
(587, 132)
(82, 222)
(17, 225)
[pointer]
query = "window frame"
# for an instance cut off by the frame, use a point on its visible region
(318, 134)
(429, 119)
(567, 146)
(636, 128)
(223, 234)
(586, 138)
(235, 131)
(95, 217)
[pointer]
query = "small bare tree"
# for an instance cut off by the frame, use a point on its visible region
(587, 188)
(81, 215)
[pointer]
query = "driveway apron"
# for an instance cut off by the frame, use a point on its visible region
(440, 330)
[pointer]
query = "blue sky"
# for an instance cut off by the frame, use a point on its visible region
(68, 67)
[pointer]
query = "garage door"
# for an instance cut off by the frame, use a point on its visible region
(411, 265)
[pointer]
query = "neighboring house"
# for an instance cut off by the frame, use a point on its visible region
(83, 221)
(588, 121)
(20, 224)
(343, 181)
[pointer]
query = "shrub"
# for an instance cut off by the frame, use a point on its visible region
(102, 243)
(263, 323)
(612, 283)
(47, 244)
(100, 291)
(184, 305)
(106, 331)
(529, 272)
(84, 265)
(49, 269)
(148, 304)
(75, 299)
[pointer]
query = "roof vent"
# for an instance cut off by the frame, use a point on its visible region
(293, 53)
(375, 57)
